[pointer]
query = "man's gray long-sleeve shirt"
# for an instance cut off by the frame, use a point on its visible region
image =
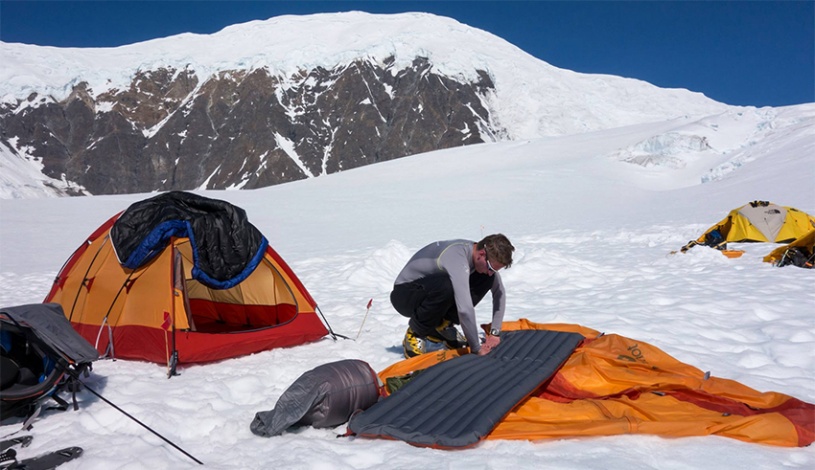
(455, 258)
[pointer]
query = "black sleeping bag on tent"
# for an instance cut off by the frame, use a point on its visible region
(226, 247)
(38, 349)
(458, 402)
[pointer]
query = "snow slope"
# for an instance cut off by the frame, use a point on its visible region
(593, 232)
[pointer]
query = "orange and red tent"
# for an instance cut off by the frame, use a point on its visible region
(161, 309)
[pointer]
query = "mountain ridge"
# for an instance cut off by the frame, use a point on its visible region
(269, 43)
(333, 92)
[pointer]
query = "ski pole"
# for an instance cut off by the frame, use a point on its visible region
(142, 424)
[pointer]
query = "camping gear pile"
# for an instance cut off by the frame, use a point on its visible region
(40, 356)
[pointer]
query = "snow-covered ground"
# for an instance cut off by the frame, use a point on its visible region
(593, 217)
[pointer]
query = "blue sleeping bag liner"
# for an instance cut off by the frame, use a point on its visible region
(457, 403)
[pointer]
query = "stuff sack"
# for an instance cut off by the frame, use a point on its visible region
(323, 397)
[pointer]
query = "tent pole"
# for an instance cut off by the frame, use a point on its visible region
(85, 276)
(333, 333)
(178, 274)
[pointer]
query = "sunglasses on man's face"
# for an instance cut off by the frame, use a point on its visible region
(489, 266)
(487, 259)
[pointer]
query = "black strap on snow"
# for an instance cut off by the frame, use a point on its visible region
(458, 402)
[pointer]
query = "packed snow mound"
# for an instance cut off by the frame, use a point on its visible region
(671, 149)
(530, 94)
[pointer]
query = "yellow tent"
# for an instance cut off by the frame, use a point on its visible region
(758, 221)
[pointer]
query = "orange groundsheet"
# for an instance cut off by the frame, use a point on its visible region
(615, 385)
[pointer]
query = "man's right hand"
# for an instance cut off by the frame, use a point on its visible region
(490, 342)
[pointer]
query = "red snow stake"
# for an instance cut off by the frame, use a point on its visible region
(367, 309)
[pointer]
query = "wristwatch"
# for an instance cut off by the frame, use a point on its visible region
(495, 332)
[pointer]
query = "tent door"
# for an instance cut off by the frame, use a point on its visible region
(262, 300)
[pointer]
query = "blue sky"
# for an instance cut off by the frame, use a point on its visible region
(758, 53)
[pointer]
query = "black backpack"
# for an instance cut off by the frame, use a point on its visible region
(798, 256)
(40, 356)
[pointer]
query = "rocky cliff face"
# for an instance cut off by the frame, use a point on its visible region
(173, 129)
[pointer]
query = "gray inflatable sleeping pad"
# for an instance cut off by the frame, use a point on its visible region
(457, 403)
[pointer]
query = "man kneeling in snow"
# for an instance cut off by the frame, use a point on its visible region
(440, 286)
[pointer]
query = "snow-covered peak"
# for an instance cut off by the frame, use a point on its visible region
(530, 92)
(284, 44)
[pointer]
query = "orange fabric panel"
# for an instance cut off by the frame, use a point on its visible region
(667, 416)
(79, 277)
(268, 284)
(78, 255)
(98, 287)
(150, 294)
(614, 365)
(291, 279)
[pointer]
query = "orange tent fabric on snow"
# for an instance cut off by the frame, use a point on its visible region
(615, 385)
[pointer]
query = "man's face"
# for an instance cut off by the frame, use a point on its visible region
(484, 265)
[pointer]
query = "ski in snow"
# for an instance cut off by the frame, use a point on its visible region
(17, 441)
(47, 461)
